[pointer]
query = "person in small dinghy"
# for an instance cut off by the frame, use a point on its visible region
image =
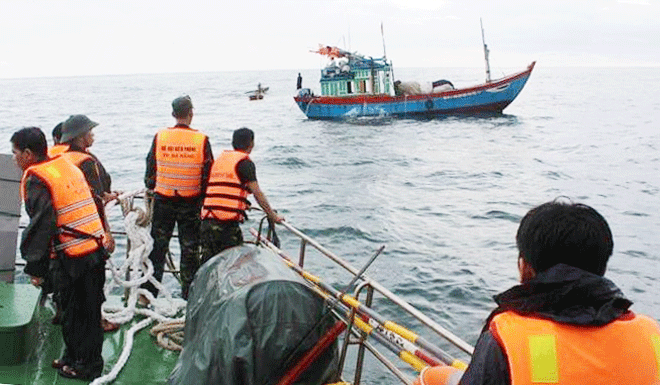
(565, 323)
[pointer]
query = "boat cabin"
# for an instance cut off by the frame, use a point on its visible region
(357, 75)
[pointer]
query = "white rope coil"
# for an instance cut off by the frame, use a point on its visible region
(138, 269)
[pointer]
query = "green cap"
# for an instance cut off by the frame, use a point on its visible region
(76, 126)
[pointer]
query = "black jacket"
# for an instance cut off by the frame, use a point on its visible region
(563, 294)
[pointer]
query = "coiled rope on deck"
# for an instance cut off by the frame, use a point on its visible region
(138, 269)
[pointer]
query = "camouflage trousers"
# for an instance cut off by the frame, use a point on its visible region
(216, 236)
(185, 215)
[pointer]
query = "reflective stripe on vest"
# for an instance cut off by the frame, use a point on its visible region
(226, 198)
(57, 149)
(78, 158)
(179, 162)
(539, 351)
(73, 204)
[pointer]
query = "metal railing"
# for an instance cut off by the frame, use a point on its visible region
(410, 347)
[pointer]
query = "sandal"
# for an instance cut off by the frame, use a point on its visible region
(108, 326)
(69, 372)
(142, 301)
(58, 363)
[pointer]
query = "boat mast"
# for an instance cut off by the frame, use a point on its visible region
(382, 35)
(483, 39)
(388, 79)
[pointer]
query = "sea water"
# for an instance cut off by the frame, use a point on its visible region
(444, 195)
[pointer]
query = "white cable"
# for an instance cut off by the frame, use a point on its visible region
(126, 352)
(140, 270)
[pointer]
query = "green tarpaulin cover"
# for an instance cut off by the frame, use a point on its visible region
(249, 318)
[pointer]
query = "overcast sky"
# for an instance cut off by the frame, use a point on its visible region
(89, 37)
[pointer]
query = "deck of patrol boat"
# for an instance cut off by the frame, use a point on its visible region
(149, 363)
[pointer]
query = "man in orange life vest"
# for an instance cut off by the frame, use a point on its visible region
(77, 137)
(233, 178)
(178, 168)
(58, 147)
(63, 216)
(77, 134)
(565, 323)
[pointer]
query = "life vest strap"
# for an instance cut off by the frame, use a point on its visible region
(223, 208)
(228, 196)
(227, 184)
(81, 234)
(211, 213)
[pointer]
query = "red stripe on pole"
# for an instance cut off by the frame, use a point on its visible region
(313, 353)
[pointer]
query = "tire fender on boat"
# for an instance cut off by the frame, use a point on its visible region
(429, 104)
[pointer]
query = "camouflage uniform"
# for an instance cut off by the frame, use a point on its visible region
(185, 213)
(216, 236)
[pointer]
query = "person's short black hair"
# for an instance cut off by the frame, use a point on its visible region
(242, 138)
(57, 132)
(30, 138)
(181, 106)
(570, 233)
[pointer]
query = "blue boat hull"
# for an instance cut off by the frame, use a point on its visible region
(491, 97)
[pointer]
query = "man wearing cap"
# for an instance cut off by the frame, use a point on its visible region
(78, 136)
(178, 168)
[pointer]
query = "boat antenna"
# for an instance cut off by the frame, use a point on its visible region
(382, 35)
(483, 39)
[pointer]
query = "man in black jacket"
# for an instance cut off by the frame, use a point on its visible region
(79, 278)
(565, 322)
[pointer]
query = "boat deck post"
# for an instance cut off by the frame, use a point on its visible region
(18, 332)
(10, 213)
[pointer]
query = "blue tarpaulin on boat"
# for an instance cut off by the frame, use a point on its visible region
(249, 318)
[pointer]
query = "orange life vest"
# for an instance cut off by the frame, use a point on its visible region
(76, 157)
(78, 221)
(226, 197)
(179, 162)
(540, 351)
(57, 149)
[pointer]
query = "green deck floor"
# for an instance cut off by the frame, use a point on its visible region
(148, 364)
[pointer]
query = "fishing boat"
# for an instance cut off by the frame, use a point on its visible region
(235, 324)
(354, 85)
(258, 94)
